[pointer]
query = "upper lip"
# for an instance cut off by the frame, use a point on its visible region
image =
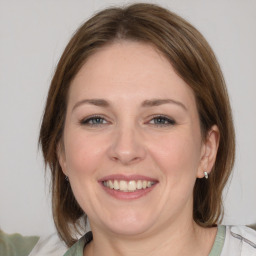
(126, 177)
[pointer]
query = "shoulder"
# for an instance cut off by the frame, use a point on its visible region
(49, 245)
(243, 233)
(16, 244)
(78, 248)
(239, 240)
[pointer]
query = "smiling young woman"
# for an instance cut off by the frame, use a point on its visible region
(137, 117)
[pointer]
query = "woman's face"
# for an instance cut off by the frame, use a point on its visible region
(132, 141)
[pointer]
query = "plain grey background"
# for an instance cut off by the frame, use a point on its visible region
(33, 34)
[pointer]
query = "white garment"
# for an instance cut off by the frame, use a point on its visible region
(49, 246)
(239, 241)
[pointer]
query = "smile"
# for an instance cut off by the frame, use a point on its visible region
(128, 186)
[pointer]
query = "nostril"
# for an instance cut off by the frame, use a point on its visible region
(126, 160)
(115, 159)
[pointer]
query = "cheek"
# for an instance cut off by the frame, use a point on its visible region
(177, 157)
(176, 154)
(83, 159)
(83, 153)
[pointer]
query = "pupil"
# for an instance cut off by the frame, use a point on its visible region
(97, 120)
(160, 120)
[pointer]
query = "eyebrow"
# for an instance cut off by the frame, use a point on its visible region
(146, 103)
(158, 102)
(95, 102)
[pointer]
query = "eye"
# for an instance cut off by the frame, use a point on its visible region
(162, 121)
(94, 121)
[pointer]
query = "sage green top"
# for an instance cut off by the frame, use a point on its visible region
(78, 248)
(219, 241)
(16, 244)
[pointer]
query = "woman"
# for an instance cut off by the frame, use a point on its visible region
(138, 134)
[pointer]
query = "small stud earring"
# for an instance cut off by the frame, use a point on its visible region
(66, 178)
(206, 175)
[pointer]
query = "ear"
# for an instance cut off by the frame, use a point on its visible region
(209, 151)
(62, 157)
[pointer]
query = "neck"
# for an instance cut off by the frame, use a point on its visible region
(185, 239)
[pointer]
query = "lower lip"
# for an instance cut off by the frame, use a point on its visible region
(118, 194)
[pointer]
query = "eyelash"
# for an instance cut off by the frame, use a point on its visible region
(94, 121)
(90, 121)
(164, 121)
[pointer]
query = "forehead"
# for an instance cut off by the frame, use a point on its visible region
(127, 69)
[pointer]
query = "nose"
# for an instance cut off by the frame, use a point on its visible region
(127, 146)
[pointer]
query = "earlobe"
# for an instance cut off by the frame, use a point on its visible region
(209, 151)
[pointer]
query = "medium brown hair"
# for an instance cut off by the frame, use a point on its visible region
(194, 62)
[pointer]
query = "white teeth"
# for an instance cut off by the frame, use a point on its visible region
(123, 185)
(132, 185)
(139, 184)
(128, 186)
(116, 185)
(111, 184)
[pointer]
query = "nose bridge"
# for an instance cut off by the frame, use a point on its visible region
(127, 145)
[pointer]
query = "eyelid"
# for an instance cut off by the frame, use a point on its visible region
(85, 120)
(167, 118)
(168, 121)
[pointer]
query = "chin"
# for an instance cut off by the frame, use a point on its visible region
(126, 229)
(129, 224)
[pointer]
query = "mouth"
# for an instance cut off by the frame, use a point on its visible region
(127, 187)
